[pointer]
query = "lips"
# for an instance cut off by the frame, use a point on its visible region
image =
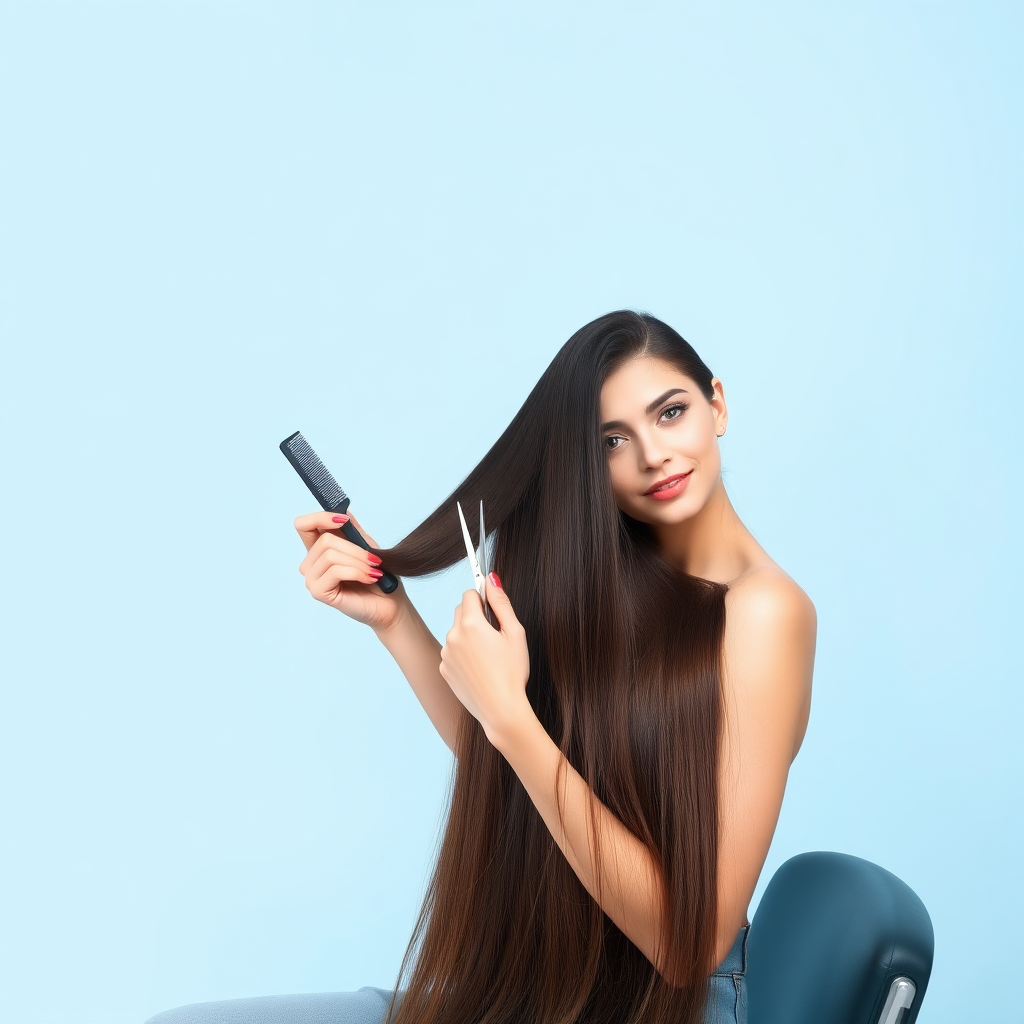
(667, 480)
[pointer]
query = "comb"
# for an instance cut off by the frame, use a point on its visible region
(326, 490)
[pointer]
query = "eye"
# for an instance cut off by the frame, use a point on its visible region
(681, 407)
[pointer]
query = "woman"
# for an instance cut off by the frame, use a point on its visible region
(623, 740)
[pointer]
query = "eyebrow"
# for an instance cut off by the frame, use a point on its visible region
(654, 405)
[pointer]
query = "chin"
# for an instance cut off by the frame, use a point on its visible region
(676, 512)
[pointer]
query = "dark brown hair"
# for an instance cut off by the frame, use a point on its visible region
(624, 675)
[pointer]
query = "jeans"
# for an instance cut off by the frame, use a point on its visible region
(727, 1003)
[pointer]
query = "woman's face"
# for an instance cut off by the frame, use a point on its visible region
(657, 425)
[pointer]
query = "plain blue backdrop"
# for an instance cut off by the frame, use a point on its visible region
(377, 223)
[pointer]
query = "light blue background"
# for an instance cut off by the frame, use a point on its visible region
(377, 223)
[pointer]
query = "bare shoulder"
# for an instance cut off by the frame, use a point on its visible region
(768, 649)
(767, 662)
(767, 590)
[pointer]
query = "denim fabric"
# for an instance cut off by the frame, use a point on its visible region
(727, 1002)
(367, 1006)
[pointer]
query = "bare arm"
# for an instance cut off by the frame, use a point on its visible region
(418, 654)
(770, 636)
(633, 892)
(769, 648)
(488, 671)
(769, 658)
(343, 575)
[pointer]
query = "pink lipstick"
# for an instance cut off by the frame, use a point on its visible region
(674, 486)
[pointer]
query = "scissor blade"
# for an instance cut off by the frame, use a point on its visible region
(483, 542)
(469, 543)
(485, 569)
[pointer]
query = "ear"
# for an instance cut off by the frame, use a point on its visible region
(719, 409)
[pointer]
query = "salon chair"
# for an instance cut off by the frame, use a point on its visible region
(835, 940)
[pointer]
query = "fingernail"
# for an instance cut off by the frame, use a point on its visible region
(339, 519)
(374, 559)
(494, 579)
(375, 573)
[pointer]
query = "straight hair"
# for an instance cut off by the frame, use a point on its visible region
(625, 659)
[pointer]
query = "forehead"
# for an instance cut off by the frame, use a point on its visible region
(638, 381)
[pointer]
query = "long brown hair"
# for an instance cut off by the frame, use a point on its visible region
(624, 675)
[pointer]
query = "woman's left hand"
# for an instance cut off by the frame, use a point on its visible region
(488, 668)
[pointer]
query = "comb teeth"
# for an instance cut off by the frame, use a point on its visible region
(315, 474)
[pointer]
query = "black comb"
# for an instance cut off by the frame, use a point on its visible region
(325, 489)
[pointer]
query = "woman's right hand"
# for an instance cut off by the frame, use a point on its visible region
(338, 572)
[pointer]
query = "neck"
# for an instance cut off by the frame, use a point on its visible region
(712, 544)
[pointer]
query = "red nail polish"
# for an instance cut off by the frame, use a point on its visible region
(495, 580)
(373, 559)
(375, 573)
(339, 519)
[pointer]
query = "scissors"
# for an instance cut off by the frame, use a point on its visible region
(478, 559)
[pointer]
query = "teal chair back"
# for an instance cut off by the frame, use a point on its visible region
(837, 940)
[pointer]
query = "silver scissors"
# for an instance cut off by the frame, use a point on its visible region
(478, 559)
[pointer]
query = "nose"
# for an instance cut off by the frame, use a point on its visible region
(651, 452)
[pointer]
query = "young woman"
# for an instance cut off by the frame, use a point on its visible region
(623, 740)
